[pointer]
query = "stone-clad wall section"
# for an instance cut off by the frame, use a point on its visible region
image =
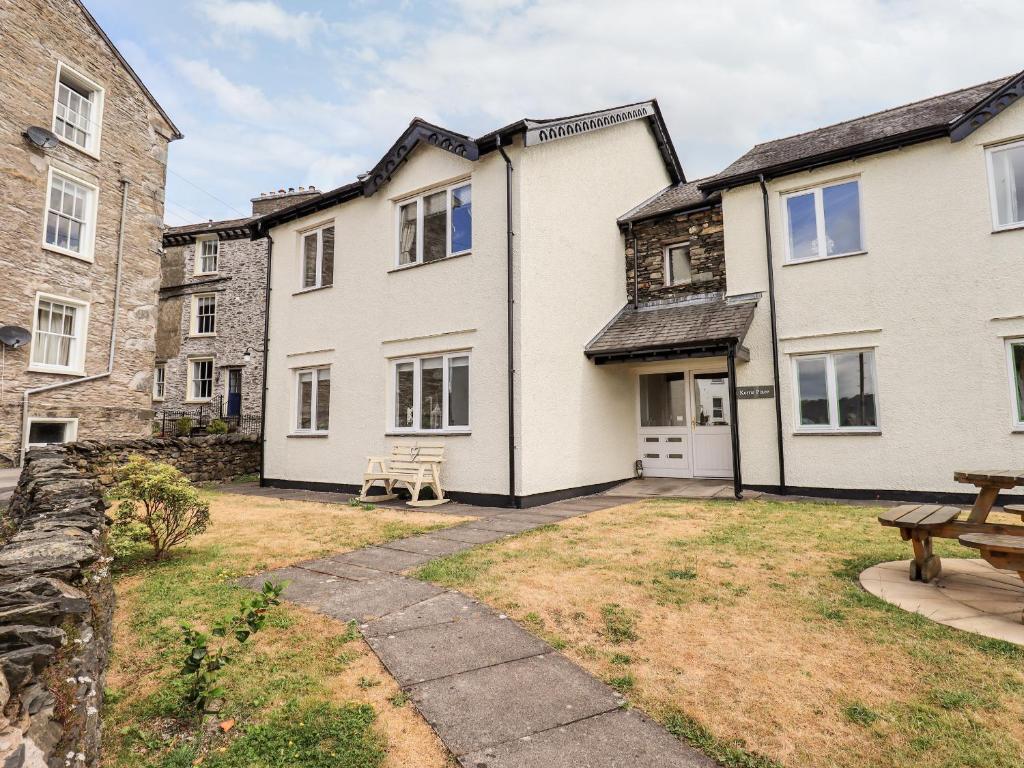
(201, 459)
(56, 607)
(704, 231)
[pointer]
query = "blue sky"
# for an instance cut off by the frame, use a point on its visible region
(278, 93)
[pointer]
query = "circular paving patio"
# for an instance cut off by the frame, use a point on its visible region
(970, 595)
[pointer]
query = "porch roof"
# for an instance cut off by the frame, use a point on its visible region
(658, 331)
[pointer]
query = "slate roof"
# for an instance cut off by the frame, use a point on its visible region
(920, 121)
(661, 327)
(226, 228)
(678, 197)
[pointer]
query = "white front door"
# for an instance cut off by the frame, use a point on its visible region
(712, 436)
(664, 437)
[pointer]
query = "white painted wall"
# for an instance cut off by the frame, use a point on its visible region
(575, 420)
(926, 296)
(578, 419)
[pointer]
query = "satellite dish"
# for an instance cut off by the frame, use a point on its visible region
(14, 336)
(41, 137)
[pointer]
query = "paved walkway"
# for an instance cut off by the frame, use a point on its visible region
(496, 695)
(970, 595)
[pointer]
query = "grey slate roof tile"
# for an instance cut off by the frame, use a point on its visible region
(935, 113)
(677, 197)
(674, 325)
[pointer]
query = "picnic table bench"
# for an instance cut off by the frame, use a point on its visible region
(920, 523)
(414, 465)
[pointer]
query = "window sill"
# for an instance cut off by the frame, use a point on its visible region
(205, 274)
(405, 267)
(307, 434)
(824, 258)
(58, 371)
(836, 432)
(202, 335)
(429, 433)
(1009, 228)
(87, 258)
(312, 289)
(197, 402)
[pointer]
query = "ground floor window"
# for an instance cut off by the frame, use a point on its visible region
(159, 381)
(1015, 352)
(200, 378)
(313, 399)
(431, 393)
(836, 391)
(49, 431)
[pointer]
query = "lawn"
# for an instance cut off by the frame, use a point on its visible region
(742, 628)
(305, 692)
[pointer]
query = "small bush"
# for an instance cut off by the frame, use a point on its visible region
(159, 498)
(184, 426)
(217, 427)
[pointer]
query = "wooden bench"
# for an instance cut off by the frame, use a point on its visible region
(1014, 509)
(414, 465)
(1001, 551)
(918, 523)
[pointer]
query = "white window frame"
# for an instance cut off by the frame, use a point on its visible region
(198, 256)
(418, 200)
(296, 411)
(667, 266)
(70, 430)
(190, 380)
(990, 152)
(159, 382)
(1016, 414)
(76, 358)
(417, 382)
(318, 230)
(819, 215)
(194, 322)
(833, 427)
(92, 203)
(97, 94)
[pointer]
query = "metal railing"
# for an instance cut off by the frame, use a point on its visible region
(188, 422)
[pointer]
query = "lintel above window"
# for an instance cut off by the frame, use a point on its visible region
(823, 222)
(435, 225)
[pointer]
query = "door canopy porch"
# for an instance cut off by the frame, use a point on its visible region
(706, 326)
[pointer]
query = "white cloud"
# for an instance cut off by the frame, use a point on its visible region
(243, 101)
(262, 17)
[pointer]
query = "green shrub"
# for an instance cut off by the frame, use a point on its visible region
(217, 427)
(184, 426)
(159, 498)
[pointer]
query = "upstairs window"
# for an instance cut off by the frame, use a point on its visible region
(200, 379)
(431, 394)
(313, 400)
(836, 392)
(1006, 178)
(77, 109)
(159, 381)
(70, 216)
(436, 225)
(204, 314)
(58, 339)
(677, 264)
(823, 222)
(318, 258)
(207, 250)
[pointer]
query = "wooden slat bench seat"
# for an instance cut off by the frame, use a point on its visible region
(917, 524)
(1014, 509)
(414, 465)
(1001, 551)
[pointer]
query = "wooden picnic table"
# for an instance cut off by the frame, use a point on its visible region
(920, 523)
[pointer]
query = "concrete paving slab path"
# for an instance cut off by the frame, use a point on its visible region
(496, 695)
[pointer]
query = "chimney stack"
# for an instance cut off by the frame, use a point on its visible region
(268, 202)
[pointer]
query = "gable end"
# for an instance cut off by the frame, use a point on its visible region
(418, 131)
(984, 111)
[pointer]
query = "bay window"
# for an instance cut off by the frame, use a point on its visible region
(1006, 180)
(836, 392)
(313, 399)
(1015, 360)
(436, 225)
(431, 393)
(58, 336)
(318, 257)
(823, 222)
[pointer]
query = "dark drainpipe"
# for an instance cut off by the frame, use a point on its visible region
(510, 299)
(734, 425)
(266, 349)
(775, 331)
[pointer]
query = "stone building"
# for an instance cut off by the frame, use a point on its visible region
(209, 350)
(83, 154)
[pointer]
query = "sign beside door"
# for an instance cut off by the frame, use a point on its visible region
(756, 392)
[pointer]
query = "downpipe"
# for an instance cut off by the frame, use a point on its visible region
(775, 332)
(510, 319)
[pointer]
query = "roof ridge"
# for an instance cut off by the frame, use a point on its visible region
(994, 83)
